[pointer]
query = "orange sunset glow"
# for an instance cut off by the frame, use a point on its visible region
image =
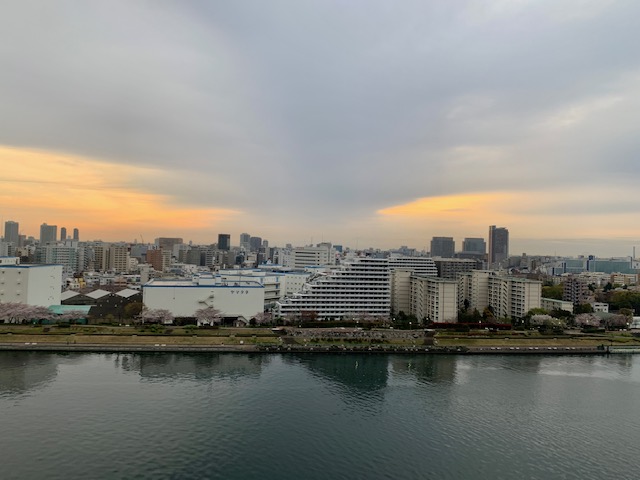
(99, 198)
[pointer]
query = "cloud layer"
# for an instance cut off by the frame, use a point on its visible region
(323, 119)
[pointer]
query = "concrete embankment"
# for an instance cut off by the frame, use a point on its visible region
(330, 349)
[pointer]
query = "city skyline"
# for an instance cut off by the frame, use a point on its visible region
(368, 125)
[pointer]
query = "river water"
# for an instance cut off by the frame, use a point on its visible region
(241, 416)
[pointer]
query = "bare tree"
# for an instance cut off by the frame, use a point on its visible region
(208, 316)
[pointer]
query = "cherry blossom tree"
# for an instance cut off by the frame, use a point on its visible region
(13, 312)
(587, 320)
(157, 315)
(208, 316)
(72, 316)
(262, 318)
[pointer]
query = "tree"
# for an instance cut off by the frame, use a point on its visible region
(133, 309)
(488, 314)
(583, 308)
(158, 315)
(262, 318)
(14, 312)
(587, 320)
(208, 316)
(552, 291)
(72, 316)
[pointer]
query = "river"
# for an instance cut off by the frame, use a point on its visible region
(253, 416)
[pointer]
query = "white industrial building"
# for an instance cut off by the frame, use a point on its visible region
(37, 285)
(233, 298)
(277, 285)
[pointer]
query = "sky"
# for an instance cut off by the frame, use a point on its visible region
(364, 123)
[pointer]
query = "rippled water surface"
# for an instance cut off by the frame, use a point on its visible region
(234, 416)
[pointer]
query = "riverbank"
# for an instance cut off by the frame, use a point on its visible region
(116, 339)
(331, 349)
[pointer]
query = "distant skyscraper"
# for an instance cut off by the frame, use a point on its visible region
(63, 233)
(224, 241)
(11, 232)
(48, 233)
(443, 247)
(245, 241)
(167, 243)
(76, 234)
(498, 245)
(474, 245)
(256, 243)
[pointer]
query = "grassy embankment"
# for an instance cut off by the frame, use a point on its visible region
(534, 338)
(151, 335)
(107, 335)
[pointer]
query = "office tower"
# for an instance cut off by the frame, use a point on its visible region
(443, 247)
(48, 233)
(245, 241)
(76, 234)
(255, 243)
(167, 243)
(474, 245)
(11, 232)
(63, 233)
(498, 245)
(224, 241)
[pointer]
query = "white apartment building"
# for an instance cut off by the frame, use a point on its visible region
(434, 299)
(241, 298)
(401, 290)
(37, 285)
(301, 257)
(474, 287)
(513, 297)
(553, 304)
(358, 286)
(419, 265)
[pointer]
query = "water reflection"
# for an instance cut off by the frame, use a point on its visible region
(359, 372)
(427, 369)
(21, 372)
(194, 366)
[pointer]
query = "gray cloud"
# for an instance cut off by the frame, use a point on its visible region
(327, 109)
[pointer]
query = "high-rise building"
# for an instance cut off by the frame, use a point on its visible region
(474, 245)
(443, 247)
(76, 234)
(63, 233)
(167, 243)
(48, 233)
(498, 245)
(224, 241)
(255, 243)
(245, 242)
(11, 232)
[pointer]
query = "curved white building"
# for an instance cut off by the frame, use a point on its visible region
(359, 286)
